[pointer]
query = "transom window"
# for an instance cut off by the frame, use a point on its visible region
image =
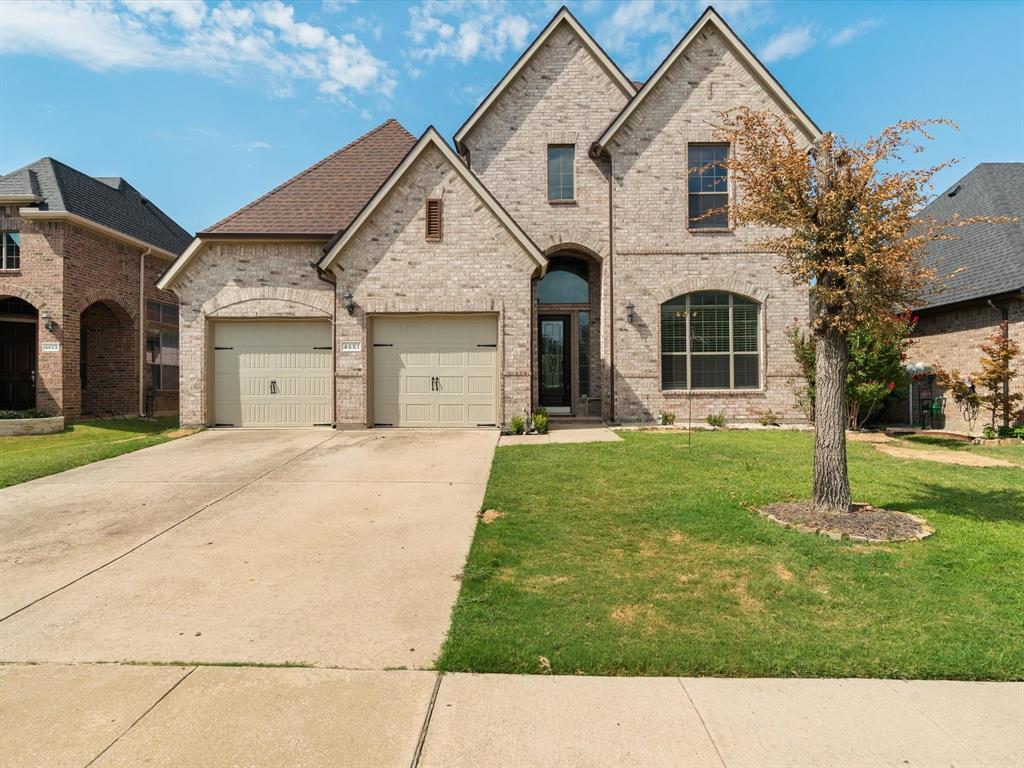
(710, 340)
(10, 255)
(708, 186)
(560, 172)
(566, 282)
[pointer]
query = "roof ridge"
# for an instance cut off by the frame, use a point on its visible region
(307, 171)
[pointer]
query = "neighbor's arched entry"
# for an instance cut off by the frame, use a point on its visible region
(107, 360)
(19, 353)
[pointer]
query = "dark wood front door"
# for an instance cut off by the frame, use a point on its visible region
(17, 365)
(555, 361)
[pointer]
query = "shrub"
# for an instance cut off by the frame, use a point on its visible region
(666, 418)
(716, 419)
(29, 413)
(517, 424)
(768, 419)
(1019, 432)
(989, 432)
(1005, 431)
(540, 422)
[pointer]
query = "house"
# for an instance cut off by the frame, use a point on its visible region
(84, 331)
(557, 258)
(981, 284)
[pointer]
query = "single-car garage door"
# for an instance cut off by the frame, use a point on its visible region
(435, 370)
(272, 373)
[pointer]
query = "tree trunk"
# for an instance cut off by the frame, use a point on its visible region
(831, 483)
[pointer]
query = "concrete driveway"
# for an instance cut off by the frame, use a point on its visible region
(324, 548)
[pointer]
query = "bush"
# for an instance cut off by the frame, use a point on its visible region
(1005, 431)
(768, 419)
(517, 424)
(716, 419)
(540, 422)
(30, 413)
(666, 418)
(989, 432)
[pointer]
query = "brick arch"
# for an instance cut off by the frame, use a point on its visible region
(318, 301)
(25, 294)
(590, 243)
(691, 285)
(124, 310)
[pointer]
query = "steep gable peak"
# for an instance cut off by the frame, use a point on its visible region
(563, 17)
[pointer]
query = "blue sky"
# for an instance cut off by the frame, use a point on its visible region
(207, 105)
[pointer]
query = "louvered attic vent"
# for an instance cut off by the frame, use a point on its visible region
(434, 219)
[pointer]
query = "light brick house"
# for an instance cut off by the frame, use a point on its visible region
(84, 331)
(556, 258)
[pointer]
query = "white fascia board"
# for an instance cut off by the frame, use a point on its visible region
(168, 278)
(430, 138)
(34, 214)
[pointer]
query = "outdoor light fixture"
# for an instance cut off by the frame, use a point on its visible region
(629, 312)
(350, 306)
(47, 322)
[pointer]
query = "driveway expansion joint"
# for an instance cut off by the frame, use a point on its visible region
(701, 718)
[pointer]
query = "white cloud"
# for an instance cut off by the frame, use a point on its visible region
(251, 146)
(226, 41)
(788, 44)
(465, 29)
(846, 34)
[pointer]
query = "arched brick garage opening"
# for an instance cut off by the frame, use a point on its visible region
(19, 353)
(108, 360)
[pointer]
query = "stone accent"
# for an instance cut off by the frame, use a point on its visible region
(49, 425)
(477, 266)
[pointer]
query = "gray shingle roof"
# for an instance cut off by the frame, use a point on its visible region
(990, 256)
(110, 201)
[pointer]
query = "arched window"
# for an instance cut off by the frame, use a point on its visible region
(710, 340)
(566, 282)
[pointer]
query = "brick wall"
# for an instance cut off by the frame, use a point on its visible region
(241, 279)
(656, 257)
(111, 385)
(389, 266)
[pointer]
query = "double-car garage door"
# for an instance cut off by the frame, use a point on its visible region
(426, 371)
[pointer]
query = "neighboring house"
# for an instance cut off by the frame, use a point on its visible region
(983, 274)
(559, 260)
(84, 331)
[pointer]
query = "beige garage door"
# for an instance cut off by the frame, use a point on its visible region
(435, 370)
(272, 373)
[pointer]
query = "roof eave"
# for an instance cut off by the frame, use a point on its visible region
(34, 214)
(20, 199)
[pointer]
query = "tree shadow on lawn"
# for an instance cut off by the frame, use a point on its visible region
(992, 505)
(131, 424)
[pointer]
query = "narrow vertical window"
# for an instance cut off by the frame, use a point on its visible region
(10, 257)
(584, 353)
(561, 182)
(433, 217)
(708, 186)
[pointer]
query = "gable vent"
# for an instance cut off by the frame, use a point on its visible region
(433, 219)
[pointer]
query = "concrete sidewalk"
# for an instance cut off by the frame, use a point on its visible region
(111, 715)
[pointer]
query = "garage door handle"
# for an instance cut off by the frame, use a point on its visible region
(273, 387)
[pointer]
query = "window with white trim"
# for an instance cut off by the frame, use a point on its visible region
(710, 340)
(561, 181)
(10, 251)
(708, 185)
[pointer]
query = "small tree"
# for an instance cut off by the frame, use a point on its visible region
(989, 388)
(844, 225)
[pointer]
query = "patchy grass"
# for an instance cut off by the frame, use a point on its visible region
(30, 456)
(1013, 453)
(645, 558)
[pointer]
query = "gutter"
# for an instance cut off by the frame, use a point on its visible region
(322, 274)
(34, 214)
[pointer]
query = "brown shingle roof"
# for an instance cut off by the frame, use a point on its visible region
(325, 197)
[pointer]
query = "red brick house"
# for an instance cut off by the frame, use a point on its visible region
(84, 331)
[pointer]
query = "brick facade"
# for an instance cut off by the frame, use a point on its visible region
(75, 275)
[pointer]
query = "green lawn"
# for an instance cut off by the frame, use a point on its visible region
(644, 558)
(1013, 453)
(26, 458)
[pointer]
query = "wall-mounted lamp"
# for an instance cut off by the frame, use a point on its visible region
(47, 322)
(350, 306)
(629, 312)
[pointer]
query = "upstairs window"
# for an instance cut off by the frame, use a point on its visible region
(433, 217)
(158, 312)
(10, 256)
(561, 183)
(708, 186)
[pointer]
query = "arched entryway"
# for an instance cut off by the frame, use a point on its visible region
(19, 353)
(107, 360)
(567, 363)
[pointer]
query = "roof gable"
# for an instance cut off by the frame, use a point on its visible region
(328, 195)
(772, 86)
(431, 138)
(563, 16)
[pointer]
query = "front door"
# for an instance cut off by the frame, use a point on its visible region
(17, 365)
(555, 356)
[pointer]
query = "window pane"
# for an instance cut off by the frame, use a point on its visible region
(710, 372)
(169, 314)
(11, 251)
(153, 376)
(153, 348)
(673, 326)
(565, 283)
(168, 377)
(708, 185)
(705, 203)
(745, 371)
(744, 325)
(584, 353)
(560, 172)
(673, 371)
(168, 348)
(709, 323)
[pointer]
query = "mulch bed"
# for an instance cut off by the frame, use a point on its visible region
(862, 523)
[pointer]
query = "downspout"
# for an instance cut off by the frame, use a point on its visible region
(142, 331)
(1005, 312)
(611, 287)
(333, 281)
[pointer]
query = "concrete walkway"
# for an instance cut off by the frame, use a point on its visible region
(563, 432)
(219, 717)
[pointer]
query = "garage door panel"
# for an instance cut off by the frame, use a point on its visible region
(481, 413)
